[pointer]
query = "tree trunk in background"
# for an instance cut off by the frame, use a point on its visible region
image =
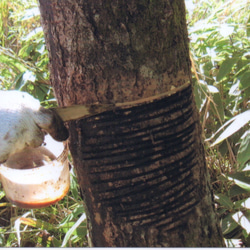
(141, 167)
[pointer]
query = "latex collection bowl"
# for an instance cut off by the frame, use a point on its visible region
(37, 177)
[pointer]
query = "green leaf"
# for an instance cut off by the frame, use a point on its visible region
(236, 190)
(74, 186)
(242, 176)
(2, 194)
(224, 201)
(237, 122)
(242, 221)
(245, 80)
(13, 63)
(19, 81)
(242, 185)
(12, 237)
(72, 229)
(77, 211)
(26, 50)
(216, 104)
(40, 48)
(246, 167)
(228, 225)
(222, 178)
(200, 91)
(37, 223)
(41, 91)
(25, 78)
(223, 149)
(226, 67)
(56, 242)
(240, 204)
(244, 150)
(245, 203)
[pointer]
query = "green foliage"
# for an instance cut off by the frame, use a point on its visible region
(23, 57)
(219, 32)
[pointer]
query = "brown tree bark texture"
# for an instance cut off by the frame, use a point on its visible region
(141, 167)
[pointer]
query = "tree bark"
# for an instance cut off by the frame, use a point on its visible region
(141, 166)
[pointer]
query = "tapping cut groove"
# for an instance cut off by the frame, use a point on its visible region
(140, 158)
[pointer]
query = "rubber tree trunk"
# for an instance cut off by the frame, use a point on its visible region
(141, 166)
